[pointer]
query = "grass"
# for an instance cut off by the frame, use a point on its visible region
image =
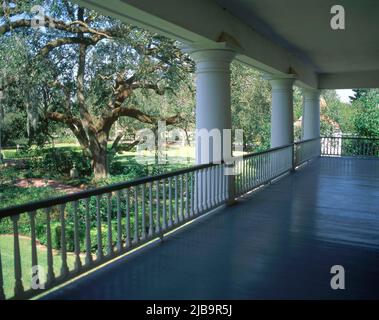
(175, 154)
(13, 195)
(6, 249)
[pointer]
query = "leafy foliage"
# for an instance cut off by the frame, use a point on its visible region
(251, 106)
(84, 71)
(366, 118)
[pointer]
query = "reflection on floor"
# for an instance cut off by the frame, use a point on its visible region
(279, 243)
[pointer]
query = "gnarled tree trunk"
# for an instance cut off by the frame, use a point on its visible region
(99, 155)
(100, 164)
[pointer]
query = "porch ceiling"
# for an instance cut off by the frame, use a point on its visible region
(303, 28)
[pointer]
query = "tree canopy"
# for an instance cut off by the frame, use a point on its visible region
(80, 69)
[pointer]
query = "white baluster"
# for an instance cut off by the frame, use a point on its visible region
(158, 225)
(169, 201)
(99, 231)
(2, 294)
(226, 190)
(88, 233)
(64, 268)
(187, 197)
(151, 209)
(128, 235)
(143, 236)
(176, 218)
(220, 176)
(18, 286)
(78, 263)
(164, 205)
(181, 216)
(206, 187)
(109, 224)
(119, 226)
(32, 216)
(214, 186)
(192, 211)
(50, 262)
(135, 240)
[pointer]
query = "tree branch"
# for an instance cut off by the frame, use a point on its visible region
(76, 27)
(125, 147)
(67, 41)
(73, 123)
(84, 114)
(143, 117)
(151, 86)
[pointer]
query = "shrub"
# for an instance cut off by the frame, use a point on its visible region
(61, 160)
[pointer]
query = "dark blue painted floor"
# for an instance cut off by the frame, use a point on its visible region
(280, 243)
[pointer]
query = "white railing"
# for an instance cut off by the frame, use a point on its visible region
(350, 146)
(306, 150)
(83, 230)
(122, 217)
(257, 169)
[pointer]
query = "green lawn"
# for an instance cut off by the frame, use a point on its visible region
(12, 153)
(6, 247)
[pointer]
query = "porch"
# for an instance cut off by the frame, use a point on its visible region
(279, 242)
(296, 214)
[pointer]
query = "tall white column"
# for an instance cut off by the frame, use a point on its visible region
(281, 111)
(311, 114)
(213, 102)
(213, 115)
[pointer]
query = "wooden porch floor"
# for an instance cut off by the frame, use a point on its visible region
(279, 243)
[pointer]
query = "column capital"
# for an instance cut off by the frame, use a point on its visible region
(310, 93)
(280, 82)
(214, 57)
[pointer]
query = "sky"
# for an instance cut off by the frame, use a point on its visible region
(344, 94)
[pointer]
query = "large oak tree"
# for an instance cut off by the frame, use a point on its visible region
(75, 67)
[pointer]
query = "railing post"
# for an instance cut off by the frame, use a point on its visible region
(89, 259)
(18, 285)
(293, 157)
(64, 267)
(50, 261)
(32, 216)
(2, 293)
(78, 263)
(231, 188)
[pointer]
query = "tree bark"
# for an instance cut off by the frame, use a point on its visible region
(99, 155)
(100, 164)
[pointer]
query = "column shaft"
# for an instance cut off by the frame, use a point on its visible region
(213, 109)
(311, 114)
(281, 112)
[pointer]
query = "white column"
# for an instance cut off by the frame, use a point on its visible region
(213, 102)
(213, 115)
(311, 114)
(281, 111)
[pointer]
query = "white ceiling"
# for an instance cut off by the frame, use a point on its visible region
(303, 28)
